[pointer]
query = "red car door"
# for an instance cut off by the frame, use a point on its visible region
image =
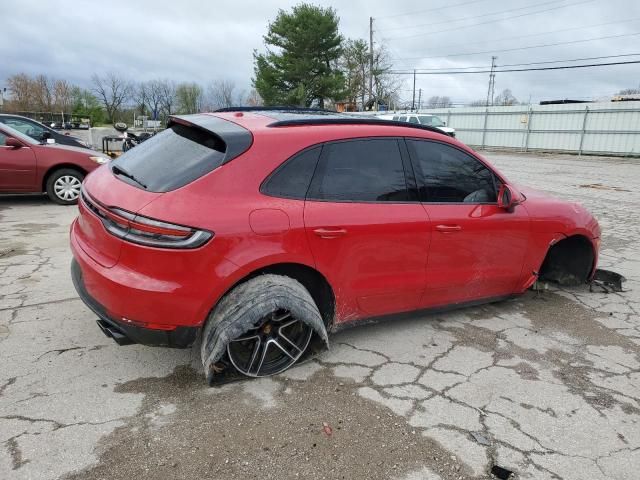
(477, 248)
(366, 233)
(17, 167)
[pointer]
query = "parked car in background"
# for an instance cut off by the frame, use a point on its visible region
(29, 166)
(40, 132)
(276, 226)
(421, 119)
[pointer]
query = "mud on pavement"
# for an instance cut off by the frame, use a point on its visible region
(545, 386)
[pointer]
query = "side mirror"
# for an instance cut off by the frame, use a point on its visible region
(444, 123)
(508, 198)
(13, 143)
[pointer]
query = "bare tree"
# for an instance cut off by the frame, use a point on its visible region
(62, 95)
(43, 93)
(629, 91)
(189, 97)
(154, 96)
(386, 85)
(439, 102)
(220, 94)
(478, 103)
(139, 96)
(506, 98)
(20, 87)
(167, 96)
(112, 90)
(253, 99)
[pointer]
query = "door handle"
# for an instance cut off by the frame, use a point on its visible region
(330, 232)
(448, 228)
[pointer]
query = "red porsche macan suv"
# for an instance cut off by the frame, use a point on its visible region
(265, 229)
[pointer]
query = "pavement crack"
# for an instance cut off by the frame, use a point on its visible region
(16, 454)
(8, 383)
(51, 302)
(59, 351)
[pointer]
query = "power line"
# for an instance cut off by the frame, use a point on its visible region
(491, 21)
(444, 7)
(531, 63)
(563, 30)
(564, 67)
(460, 19)
(523, 48)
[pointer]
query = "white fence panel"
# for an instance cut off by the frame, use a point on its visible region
(597, 128)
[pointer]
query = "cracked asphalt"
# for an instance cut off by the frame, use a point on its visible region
(546, 385)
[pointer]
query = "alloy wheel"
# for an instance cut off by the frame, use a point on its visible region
(272, 347)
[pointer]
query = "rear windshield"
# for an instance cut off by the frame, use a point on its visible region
(171, 159)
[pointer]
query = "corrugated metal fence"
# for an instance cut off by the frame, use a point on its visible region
(593, 128)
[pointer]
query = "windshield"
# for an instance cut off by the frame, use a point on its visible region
(19, 135)
(431, 120)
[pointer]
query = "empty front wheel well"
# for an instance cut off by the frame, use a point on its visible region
(61, 166)
(569, 262)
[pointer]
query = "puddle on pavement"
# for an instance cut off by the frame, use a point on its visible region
(230, 432)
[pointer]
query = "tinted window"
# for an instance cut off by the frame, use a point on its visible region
(172, 158)
(403, 119)
(448, 175)
(292, 179)
(413, 120)
(360, 171)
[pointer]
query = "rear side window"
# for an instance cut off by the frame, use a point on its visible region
(448, 175)
(413, 120)
(3, 139)
(292, 179)
(171, 159)
(360, 171)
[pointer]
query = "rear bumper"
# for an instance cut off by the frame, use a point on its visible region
(126, 334)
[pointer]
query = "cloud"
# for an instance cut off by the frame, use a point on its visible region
(203, 41)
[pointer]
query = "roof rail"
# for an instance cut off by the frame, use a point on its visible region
(280, 108)
(353, 121)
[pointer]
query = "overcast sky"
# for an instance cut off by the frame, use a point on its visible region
(190, 40)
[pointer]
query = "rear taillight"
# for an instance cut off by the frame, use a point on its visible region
(144, 230)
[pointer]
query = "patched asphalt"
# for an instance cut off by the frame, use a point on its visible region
(546, 385)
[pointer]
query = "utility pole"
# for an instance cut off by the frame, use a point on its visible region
(419, 99)
(492, 81)
(2, 90)
(413, 102)
(370, 58)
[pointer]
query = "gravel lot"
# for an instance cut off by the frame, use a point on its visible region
(547, 386)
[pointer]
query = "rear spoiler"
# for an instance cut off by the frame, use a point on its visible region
(234, 139)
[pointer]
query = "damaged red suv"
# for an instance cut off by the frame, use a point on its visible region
(265, 229)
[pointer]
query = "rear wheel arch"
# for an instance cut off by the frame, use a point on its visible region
(310, 278)
(569, 261)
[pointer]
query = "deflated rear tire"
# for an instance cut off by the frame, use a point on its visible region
(261, 328)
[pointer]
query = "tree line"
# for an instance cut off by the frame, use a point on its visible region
(112, 97)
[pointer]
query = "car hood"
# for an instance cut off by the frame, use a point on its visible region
(87, 151)
(552, 214)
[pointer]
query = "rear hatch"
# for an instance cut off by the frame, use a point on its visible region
(190, 147)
